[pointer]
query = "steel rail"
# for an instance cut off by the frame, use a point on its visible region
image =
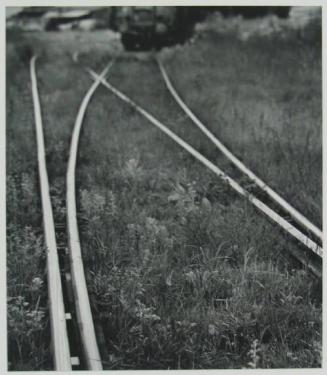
(293, 231)
(83, 309)
(295, 214)
(59, 336)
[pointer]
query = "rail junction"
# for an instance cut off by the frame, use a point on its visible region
(74, 341)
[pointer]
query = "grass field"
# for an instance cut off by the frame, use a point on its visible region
(182, 273)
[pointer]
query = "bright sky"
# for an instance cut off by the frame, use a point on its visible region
(12, 10)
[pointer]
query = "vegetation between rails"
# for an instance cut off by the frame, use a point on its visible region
(181, 272)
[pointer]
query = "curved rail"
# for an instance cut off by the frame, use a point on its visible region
(83, 310)
(251, 198)
(60, 344)
(296, 215)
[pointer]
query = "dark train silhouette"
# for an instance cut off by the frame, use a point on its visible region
(147, 27)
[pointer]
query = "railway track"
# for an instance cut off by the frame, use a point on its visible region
(60, 344)
(301, 229)
(83, 309)
(73, 338)
(74, 342)
(295, 214)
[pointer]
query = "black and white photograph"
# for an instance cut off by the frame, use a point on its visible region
(163, 186)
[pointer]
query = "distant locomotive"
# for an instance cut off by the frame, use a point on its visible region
(155, 26)
(152, 26)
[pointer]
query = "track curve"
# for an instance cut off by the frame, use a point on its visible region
(84, 314)
(284, 224)
(295, 214)
(60, 338)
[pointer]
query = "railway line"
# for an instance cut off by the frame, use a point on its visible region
(74, 341)
(60, 344)
(291, 229)
(67, 291)
(295, 214)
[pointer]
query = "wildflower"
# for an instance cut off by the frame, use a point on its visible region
(190, 276)
(132, 168)
(184, 198)
(212, 330)
(169, 279)
(37, 284)
(146, 256)
(205, 203)
(145, 313)
(254, 354)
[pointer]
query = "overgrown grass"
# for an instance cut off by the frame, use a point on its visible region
(28, 320)
(262, 98)
(28, 332)
(181, 272)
